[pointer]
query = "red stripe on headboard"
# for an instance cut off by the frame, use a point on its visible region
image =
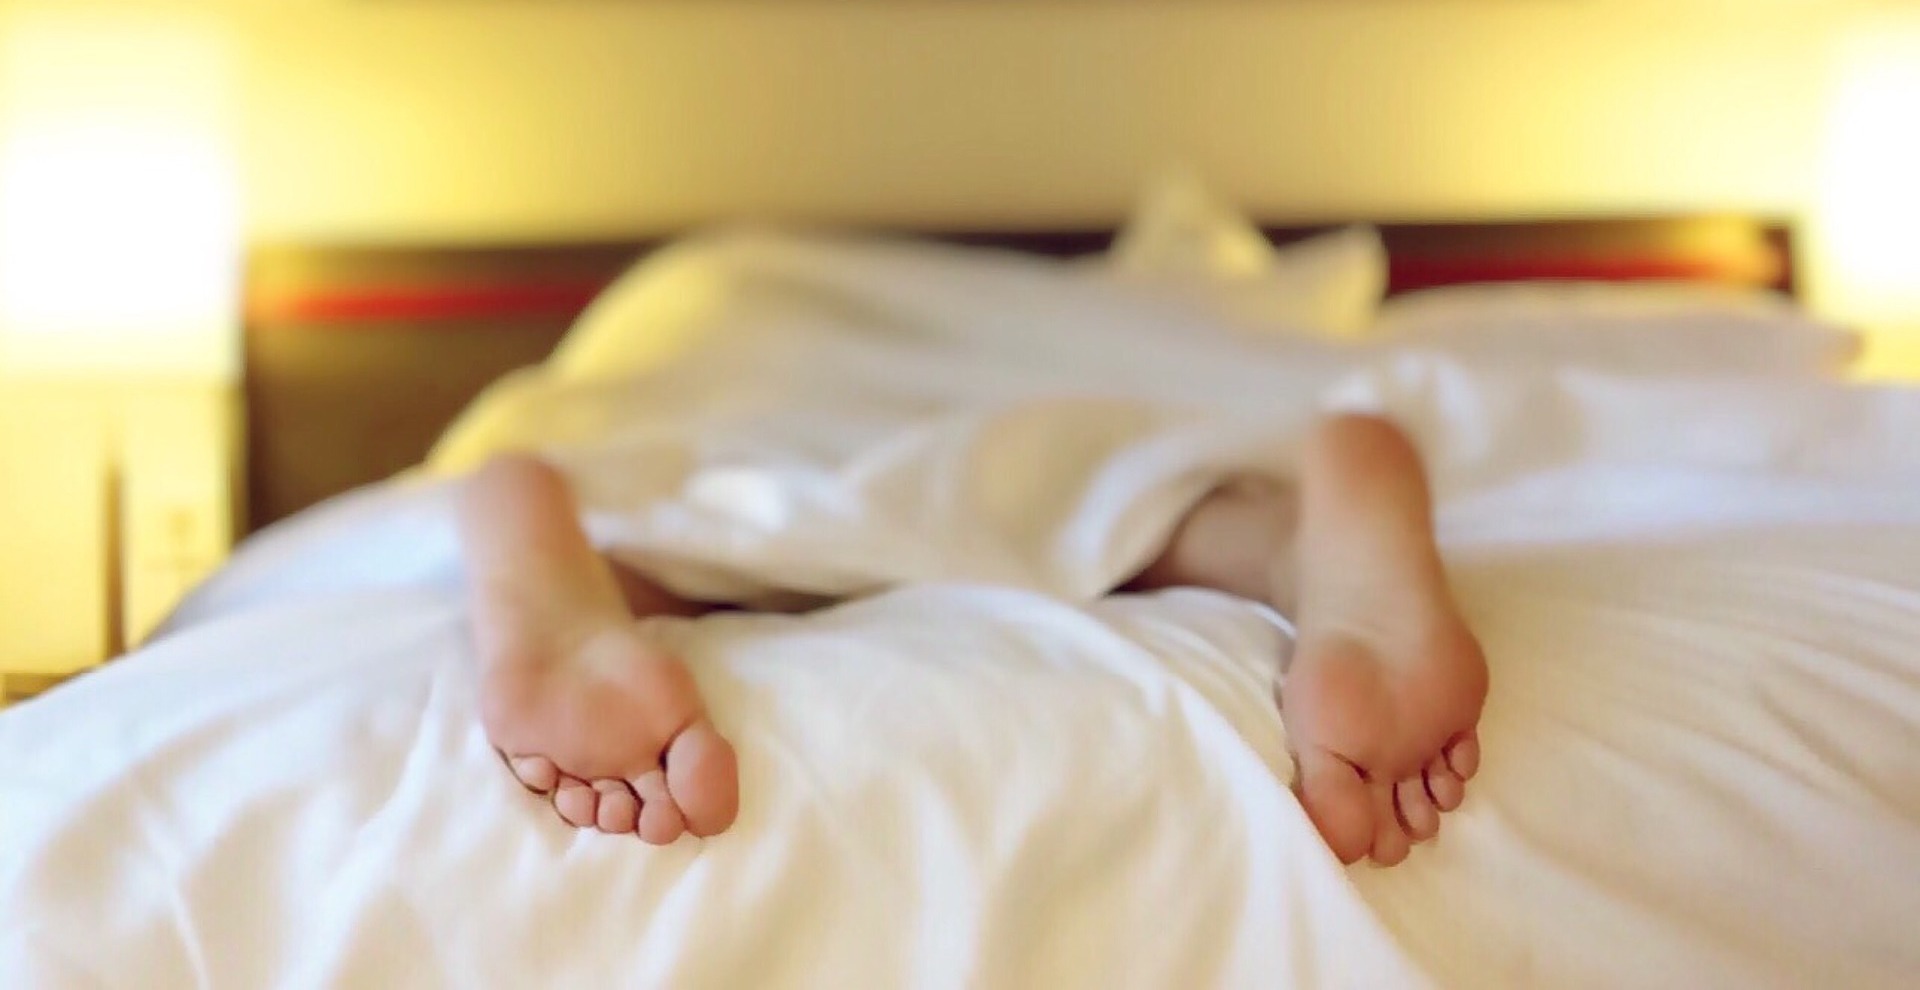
(428, 303)
(1427, 273)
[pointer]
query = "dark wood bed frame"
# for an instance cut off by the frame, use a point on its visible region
(357, 357)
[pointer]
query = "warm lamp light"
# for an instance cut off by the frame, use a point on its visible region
(1867, 216)
(119, 201)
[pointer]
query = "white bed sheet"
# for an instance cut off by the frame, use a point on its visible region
(1700, 601)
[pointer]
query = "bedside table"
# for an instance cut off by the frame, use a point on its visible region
(119, 497)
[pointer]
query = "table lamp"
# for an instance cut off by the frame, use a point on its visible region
(119, 318)
(1866, 229)
(119, 201)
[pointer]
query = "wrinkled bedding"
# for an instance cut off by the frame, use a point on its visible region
(1700, 599)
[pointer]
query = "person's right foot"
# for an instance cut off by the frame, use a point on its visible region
(1386, 684)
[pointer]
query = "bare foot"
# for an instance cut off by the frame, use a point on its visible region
(583, 708)
(611, 728)
(1386, 683)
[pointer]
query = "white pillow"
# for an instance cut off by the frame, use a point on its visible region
(1648, 328)
(1184, 241)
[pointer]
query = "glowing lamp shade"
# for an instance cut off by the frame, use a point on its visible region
(1867, 217)
(119, 201)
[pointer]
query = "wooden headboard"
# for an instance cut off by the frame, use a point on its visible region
(356, 358)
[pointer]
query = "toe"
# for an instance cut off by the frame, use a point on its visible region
(661, 821)
(1390, 842)
(704, 779)
(576, 803)
(1463, 754)
(1444, 786)
(1336, 799)
(619, 811)
(1417, 815)
(535, 773)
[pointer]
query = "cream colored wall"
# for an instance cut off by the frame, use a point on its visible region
(469, 119)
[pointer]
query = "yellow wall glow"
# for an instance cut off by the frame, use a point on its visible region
(1867, 213)
(382, 121)
(119, 199)
(377, 121)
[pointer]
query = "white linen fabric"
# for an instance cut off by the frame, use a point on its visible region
(1698, 598)
(749, 302)
(1184, 240)
(1646, 328)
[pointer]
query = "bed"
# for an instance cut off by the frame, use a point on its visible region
(1692, 565)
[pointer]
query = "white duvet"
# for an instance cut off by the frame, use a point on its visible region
(1700, 600)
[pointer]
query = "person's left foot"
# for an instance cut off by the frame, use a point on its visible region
(610, 727)
(582, 706)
